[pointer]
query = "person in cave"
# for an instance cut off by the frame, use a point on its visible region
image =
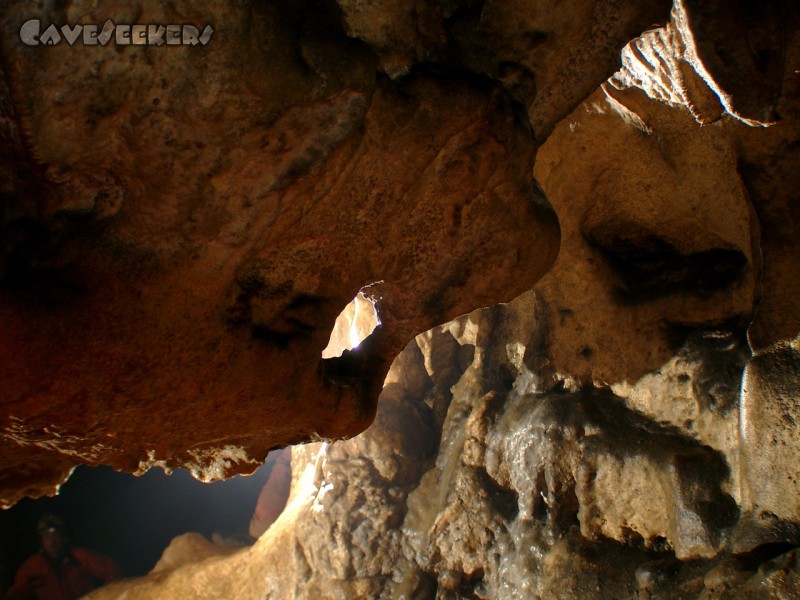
(59, 571)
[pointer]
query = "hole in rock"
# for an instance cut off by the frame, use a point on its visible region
(353, 325)
(134, 519)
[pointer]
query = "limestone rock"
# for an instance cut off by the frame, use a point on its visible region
(566, 495)
(712, 61)
(188, 548)
(611, 432)
(353, 325)
(624, 429)
(770, 411)
(548, 55)
(274, 493)
(677, 65)
(203, 214)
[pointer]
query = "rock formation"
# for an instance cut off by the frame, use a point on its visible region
(183, 224)
(624, 426)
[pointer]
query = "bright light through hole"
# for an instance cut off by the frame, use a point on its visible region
(353, 326)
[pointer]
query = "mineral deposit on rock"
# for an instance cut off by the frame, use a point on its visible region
(568, 231)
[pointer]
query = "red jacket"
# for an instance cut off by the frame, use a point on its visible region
(80, 572)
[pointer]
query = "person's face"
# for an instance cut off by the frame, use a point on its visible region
(53, 542)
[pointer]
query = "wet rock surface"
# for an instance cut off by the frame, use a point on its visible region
(510, 493)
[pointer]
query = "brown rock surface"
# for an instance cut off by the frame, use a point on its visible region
(528, 495)
(187, 549)
(628, 428)
(182, 225)
(625, 429)
(200, 215)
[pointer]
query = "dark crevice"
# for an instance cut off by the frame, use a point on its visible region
(650, 268)
(37, 261)
(765, 552)
(281, 339)
(470, 582)
(505, 501)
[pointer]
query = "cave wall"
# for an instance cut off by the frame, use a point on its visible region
(183, 224)
(628, 427)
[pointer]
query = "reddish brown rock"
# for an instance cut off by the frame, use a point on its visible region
(196, 327)
(594, 437)
(627, 428)
(205, 213)
(182, 225)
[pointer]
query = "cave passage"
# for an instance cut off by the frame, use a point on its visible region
(133, 519)
(353, 325)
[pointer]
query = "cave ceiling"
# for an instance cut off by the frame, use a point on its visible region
(183, 224)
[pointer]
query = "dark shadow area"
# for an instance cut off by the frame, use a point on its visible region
(132, 519)
(650, 268)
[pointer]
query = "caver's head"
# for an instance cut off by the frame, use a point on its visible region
(52, 535)
(190, 222)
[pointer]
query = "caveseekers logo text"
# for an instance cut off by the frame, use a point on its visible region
(31, 34)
